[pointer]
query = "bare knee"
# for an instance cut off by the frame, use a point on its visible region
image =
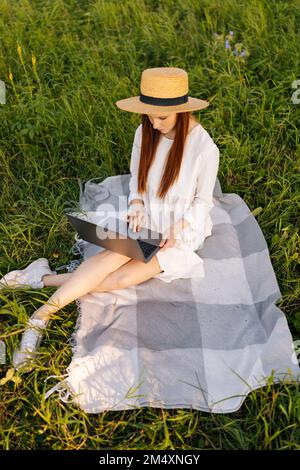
(123, 280)
(112, 260)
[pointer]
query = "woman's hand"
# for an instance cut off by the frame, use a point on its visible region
(136, 216)
(169, 237)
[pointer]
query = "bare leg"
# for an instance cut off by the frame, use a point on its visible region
(130, 274)
(55, 280)
(84, 279)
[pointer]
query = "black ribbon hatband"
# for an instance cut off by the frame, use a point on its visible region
(164, 101)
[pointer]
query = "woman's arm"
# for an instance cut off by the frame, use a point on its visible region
(134, 195)
(197, 212)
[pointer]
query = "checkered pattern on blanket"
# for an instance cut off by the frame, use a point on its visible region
(191, 343)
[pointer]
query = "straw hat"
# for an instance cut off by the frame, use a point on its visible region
(163, 90)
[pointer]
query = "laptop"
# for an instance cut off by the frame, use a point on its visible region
(115, 234)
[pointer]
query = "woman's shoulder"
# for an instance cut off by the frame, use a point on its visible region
(138, 130)
(204, 141)
(137, 139)
(138, 134)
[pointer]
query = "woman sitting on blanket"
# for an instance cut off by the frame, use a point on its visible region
(174, 165)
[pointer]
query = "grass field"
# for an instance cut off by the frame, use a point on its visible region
(65, 64)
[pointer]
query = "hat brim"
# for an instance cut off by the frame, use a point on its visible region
(134, 105)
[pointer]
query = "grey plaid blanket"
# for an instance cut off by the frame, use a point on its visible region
(193, 343)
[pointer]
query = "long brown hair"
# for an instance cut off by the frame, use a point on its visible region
(150, 141)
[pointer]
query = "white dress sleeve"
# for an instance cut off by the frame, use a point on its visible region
(134, 167)
(200, 207)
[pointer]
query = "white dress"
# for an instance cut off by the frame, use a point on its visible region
(190, 197)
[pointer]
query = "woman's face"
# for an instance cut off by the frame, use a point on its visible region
(163, 123)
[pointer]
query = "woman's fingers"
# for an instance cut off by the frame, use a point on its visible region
(162, 242)
(135, 222)
(166, 243)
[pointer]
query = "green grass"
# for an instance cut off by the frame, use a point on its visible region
(60, 123)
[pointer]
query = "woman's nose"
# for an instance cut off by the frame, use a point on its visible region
(156, 125)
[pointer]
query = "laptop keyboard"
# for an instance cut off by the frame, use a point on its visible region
(147, 248)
